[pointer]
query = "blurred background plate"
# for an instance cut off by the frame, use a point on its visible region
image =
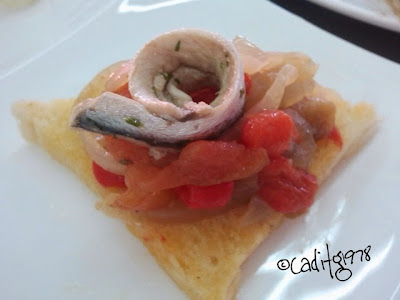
(29, 28)
(375, 12)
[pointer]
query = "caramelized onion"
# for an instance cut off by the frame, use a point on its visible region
(302, 151)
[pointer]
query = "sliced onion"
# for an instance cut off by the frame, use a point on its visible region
(119, 77)
(273, 96)
(296, 92)
(256, 60)
(92, 144)
(253, 58)
(245, 188)
(257, 211)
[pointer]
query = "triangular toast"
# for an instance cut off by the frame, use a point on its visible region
(202, 257)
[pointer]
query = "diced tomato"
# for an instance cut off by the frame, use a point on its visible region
(336, 137)
(247, 83)
(206, 94)
(286, 188)
(106, 178)
(270, 129)
(208, 163)
(206, 197)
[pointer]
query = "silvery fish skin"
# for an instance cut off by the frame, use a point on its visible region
(161, 112)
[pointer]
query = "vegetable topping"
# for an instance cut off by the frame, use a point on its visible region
(169, 109)
(272, 130)
(106, 178)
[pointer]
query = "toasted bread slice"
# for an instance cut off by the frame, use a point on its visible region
(202, 257)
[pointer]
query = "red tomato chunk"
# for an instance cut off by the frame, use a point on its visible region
(270, 129)
(286, 188)
(206, 197)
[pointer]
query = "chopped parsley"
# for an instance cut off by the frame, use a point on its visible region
(177, 81)
(241, 93)
(133, 121)
(167, 76)
(178, 46)
(95, 123)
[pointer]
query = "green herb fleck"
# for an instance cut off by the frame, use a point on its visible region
(125, 161)
(167, 76)
(95, 123)
(178, 46)
(133, 121)
(226, 54)
(241, 93)
(221, 65)
(227, 63)
(177, 81)
(154, 91)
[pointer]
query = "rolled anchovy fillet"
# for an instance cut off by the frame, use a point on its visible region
(163, 74)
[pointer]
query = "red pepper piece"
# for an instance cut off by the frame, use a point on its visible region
(206, 197)
(270, 129)
(206, 94)
(106, 178)
(286, 188)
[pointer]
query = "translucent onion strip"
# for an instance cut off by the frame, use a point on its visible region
(119, 77)
(92, 144)
(272, 98)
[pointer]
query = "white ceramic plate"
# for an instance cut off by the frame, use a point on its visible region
(375, 12)
(55, 245)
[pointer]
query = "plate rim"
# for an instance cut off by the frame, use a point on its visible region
(359, 13)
